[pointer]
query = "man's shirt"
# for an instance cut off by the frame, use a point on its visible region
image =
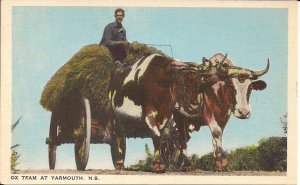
(113, 32)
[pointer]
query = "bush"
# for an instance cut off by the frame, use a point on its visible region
(14, 158)
(245, 158)
(206, 162)
(195, 160)
(273, 154)
(270, 155)
(14, 154)
(144, 165)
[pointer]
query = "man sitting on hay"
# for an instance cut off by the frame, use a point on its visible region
(114, 38)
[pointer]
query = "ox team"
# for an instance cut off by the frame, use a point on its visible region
(146, 95)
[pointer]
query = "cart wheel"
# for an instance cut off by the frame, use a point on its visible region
(52, 144)
(82, 142)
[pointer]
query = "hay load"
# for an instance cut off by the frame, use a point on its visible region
(87, 74)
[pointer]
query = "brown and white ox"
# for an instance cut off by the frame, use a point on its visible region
(226, 94)
(143, 98)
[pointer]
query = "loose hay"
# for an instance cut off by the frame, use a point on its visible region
(87, 74)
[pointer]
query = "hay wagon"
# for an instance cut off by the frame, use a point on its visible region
(76, 96)
(72, 123)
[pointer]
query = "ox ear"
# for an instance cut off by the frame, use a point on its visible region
(205, 61)
(259, 85)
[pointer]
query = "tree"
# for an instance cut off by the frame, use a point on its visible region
(273, 154)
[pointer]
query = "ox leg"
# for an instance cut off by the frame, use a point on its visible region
(184, 137)
(220, 158)
(158, 166)
(153, 121)
(186, 165)
(118, 150)
(175, 158)
(170, 145)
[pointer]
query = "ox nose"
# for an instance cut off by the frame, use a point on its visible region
(245, 113)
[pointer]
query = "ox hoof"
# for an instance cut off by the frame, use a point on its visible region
(158, 168)
(221, 163)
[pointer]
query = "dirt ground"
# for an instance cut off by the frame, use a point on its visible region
(114, 172)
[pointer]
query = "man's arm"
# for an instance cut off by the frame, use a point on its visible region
(107, 36)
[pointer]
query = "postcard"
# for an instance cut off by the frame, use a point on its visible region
(148, 92)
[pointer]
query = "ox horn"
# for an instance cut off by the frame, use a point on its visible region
(262, 72)
(203, 60)
(223, 69)
(224, 58)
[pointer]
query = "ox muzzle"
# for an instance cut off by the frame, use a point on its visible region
(243, 83)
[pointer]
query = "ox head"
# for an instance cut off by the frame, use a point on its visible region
(241, 82)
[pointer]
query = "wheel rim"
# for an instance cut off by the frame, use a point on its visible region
(82, 142)
(53, 134)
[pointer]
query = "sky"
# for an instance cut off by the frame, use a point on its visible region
(45, 38)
